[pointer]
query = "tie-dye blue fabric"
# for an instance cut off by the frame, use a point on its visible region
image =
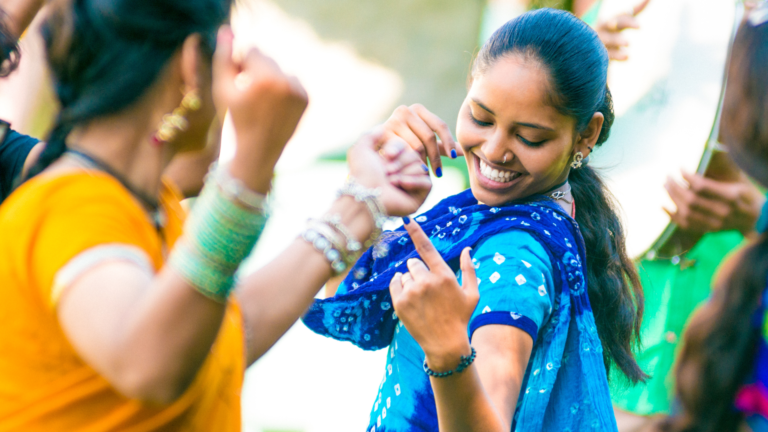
(566, 388)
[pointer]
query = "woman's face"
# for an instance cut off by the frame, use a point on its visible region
(515, 144)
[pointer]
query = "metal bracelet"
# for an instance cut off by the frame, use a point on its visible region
(370, 197)
(235, 190)
(334, 220)
(325, 246)
(464, 363)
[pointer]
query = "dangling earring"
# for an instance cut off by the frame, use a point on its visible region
(176, 121)
(577, 158)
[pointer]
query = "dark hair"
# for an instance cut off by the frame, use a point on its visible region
(721, 342)
(105, 54)
(577, 65)
(10, 56)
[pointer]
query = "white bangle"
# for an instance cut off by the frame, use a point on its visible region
(235, 190)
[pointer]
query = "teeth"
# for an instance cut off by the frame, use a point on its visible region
(496, 175)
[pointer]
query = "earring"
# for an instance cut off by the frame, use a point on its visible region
(577, 158)
(176, 121)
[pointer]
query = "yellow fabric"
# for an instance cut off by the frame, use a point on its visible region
(44, 385)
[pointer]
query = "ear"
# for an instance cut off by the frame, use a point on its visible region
(191, 63)
(585, 141)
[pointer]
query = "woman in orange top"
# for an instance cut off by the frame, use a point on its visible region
(116, 315)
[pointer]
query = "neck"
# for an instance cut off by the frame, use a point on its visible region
(123, 143)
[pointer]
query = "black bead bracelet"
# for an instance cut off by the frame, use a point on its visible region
(464, 363)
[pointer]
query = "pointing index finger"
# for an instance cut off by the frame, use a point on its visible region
(423, 245)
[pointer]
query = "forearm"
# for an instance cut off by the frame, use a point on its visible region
(463, 405)
(279, 293)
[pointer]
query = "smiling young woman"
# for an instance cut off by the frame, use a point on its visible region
(520, 335)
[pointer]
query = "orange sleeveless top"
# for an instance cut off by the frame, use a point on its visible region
(44, 384)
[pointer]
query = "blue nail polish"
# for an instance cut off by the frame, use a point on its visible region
(406, 220)
(425, 168)
(439, 172)
(453, 153)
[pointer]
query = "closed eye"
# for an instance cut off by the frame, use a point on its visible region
(478, 122)
(530, 143)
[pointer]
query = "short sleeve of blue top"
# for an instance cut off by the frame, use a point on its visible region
(516, 289)
(14, 149)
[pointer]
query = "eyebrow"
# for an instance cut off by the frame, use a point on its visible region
(529, 125)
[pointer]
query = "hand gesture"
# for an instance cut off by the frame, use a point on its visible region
(265, 105)
(392, 167)
(417, 126)
(610, 31)
(431, 304)
(707, 205)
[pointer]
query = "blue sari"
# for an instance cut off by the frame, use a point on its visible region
(571, 394)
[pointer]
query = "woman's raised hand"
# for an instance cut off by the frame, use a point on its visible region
(432, 305)
(265, 105)
(417, 126)
(392, 167)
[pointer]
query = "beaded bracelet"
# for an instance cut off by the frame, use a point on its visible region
(464, 363)
(325, 246)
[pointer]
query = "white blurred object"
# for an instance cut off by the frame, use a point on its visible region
(666, 98)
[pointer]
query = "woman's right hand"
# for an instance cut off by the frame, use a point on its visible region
(265, 105)
(417, 126)
(393, 168)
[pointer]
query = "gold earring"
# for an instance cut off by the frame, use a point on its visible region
(577, 158)
(176, 121)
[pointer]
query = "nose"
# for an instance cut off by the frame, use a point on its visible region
(497, 150)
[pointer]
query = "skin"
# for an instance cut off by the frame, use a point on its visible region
(610, 31)
(148, 334)
(508, 103)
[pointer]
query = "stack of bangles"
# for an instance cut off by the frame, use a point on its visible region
(219, 234)
(331, 238)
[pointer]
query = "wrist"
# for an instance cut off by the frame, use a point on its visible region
(355, 216)
(447, 356)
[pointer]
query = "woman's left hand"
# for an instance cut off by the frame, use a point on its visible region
(432, 305)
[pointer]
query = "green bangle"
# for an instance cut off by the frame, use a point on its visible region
(218, 236)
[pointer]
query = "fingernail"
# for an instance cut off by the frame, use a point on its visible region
(425, 168)
(406, 220)
(439, 172)
(453, 153)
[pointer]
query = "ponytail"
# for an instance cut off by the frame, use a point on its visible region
(613, 284)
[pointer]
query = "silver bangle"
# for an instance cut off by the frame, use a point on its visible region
(326, 247)
(371, 199)
(334, 220)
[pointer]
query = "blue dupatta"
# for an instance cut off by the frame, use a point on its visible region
(567, 387)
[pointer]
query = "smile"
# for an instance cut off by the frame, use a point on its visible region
(496, 175)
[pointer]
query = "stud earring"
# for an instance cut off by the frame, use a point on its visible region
(577, 158)
(176, 121)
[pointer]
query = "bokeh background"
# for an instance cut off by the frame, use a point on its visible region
(359, 60)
